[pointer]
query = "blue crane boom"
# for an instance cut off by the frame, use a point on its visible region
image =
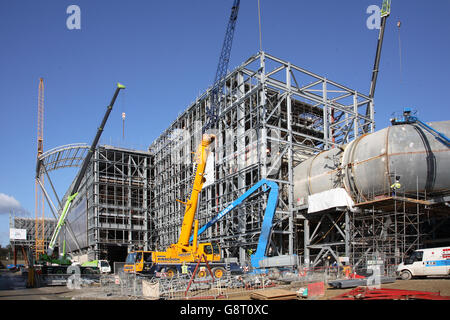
(267, 186)
(410, 119)
(212, 111)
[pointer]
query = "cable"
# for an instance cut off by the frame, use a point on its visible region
(400, 48)
(259, 22)
(123, 117)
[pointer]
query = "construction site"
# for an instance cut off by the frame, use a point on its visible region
(272, 185)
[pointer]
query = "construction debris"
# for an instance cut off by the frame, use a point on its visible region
(361, 293)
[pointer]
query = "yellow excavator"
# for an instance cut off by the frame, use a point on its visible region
(183, 253)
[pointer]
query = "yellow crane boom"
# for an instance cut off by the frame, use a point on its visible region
(191, 204)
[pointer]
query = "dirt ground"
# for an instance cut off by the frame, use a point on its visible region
(12, 287)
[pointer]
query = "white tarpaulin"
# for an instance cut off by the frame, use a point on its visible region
(209, 170)
(329, 199)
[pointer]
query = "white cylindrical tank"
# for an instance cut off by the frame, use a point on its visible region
(367, 166)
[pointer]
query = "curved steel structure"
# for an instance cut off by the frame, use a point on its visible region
(368, 165)
(70, 155)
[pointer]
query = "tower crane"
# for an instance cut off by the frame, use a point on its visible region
(182, 252)
(39, 197)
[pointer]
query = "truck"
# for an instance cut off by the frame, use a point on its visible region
(100, 266)
(183, 253)
(425, 262)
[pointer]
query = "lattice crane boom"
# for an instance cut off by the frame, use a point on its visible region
(212, 112)
(39, 196)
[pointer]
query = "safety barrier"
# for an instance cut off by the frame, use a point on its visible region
(136, 286)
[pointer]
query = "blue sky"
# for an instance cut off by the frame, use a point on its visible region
(166, 53)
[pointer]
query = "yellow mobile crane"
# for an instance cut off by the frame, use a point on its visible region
(182, 252)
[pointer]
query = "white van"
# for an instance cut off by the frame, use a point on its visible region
(426, 262)
(104, 266)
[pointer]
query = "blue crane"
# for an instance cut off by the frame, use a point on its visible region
(212, 112)
(410, 119)
(267, 186)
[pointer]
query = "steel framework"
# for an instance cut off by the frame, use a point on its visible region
(39, 197)
(387, 226)
(113, 205)
(112, 209)
(29, 224)
(272, 116)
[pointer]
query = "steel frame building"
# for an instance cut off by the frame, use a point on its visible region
(273, 115)
(111, 213)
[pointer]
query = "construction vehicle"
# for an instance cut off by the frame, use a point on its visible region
(385, 12)
(177, 254)
(408, 118)
(59, 265)
(100, 266)
(170, 261)
(259, 260)
(426, 262)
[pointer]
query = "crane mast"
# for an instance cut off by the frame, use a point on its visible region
(385, 12)
(39, 197)
(212, 111)
(212, 116)
(182, 251)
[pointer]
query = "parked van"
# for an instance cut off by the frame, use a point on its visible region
(426, 262)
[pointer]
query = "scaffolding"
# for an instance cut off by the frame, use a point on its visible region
(394, 225)
(29, 224)
(387, 226)
(273, 115)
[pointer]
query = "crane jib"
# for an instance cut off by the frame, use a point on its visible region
(73, 193)
(266, 227)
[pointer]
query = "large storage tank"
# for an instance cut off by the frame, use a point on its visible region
(367, 166)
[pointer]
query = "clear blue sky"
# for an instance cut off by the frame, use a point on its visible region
(166, 53)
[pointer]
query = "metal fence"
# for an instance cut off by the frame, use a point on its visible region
(182, 286)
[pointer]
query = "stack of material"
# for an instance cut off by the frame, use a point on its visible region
(352, 283)
(274, 294)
